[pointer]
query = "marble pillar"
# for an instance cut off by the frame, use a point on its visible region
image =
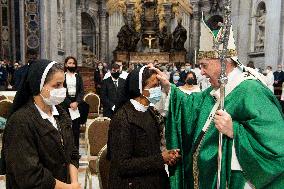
(195, 31)
(79, 35)
(103, 30)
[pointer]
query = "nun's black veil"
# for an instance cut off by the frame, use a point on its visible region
(30, 84)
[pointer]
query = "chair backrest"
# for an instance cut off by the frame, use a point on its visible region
(94, 102)
(97, 135)
(103, 167)
(5, 108)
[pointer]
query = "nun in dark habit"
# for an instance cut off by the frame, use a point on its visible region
(134, 149)
(38, 147)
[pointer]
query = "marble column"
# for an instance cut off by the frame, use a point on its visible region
(103, 41)
(22, 34)
(195, 30)
(281, 37)
(13, 41)
(79, 35)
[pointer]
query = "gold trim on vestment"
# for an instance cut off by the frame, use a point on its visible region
(215, 54)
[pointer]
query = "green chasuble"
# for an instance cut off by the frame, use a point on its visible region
(258, 125)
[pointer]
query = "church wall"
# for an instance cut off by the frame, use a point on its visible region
(272, 32)
(281, 36)
(272, 46)
(115, 22)
(241, 27)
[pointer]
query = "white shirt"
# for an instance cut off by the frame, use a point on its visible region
(51, 118)
(71, 84)
(269, 80)
(123, 75)
(194, 89)
(139, 107)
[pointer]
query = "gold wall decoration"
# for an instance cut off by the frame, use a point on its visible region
(137, 15)
(116, 5)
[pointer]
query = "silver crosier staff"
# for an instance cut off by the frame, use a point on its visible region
(224, 39)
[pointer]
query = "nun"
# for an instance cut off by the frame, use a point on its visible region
(134, 141)
(38, 146)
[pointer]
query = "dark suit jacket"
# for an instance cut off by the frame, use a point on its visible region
(33, 150)
(112, 97)
(79, 91)
(98, 80)
(134, 151)
(279, 76)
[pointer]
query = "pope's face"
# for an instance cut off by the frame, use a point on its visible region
(211, 68)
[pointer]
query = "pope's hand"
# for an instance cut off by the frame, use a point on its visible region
(223, 122)
(166, 85)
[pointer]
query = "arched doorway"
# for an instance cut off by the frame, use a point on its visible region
(90, 48)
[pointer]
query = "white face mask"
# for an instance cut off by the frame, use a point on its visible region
(100, 67)
(56, 96)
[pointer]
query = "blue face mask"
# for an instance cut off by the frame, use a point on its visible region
(155, 95)
(176, 78)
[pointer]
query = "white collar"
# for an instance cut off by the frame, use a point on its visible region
(139, 107)
(44, 115)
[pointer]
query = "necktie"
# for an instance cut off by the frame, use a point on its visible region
(115, 84)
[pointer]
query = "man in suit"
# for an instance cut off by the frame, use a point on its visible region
(113, 92)
(278, 80)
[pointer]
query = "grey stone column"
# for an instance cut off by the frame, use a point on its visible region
(12, 22)
(281, 37)
(168, 15)
(196, 16)
(103, 41)
(22, 34)
(79, 35)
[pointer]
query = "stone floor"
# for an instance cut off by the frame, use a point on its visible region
(82, 168)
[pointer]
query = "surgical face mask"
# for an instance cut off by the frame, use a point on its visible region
(155, 95)
(174, 69)
(176, 78)
(100, 67)
(187, 68)
(182, 69)
(279, 69)
(56, 97)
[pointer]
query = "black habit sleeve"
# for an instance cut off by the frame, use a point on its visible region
(122, 147)
(22, 158)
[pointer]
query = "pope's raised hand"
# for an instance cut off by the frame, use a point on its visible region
(166, 85)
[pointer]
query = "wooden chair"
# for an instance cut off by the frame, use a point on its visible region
(5, 108)
(96, 138)
(103, 167)
(94, 102)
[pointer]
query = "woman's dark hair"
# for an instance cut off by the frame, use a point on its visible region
(194, 76)
(66, 60)
(147, 73)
